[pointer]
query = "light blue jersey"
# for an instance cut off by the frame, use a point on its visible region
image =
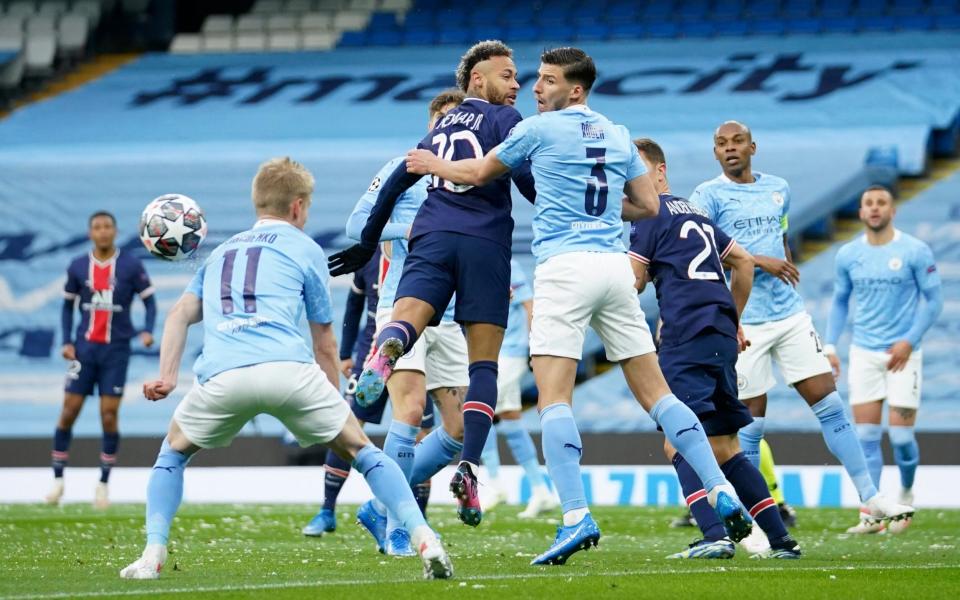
(581, 162)
(255, 288)
(755, 215)
(516, 339)
(886, 283)
(404, 212)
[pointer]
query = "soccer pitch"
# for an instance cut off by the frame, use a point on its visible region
(257, 551)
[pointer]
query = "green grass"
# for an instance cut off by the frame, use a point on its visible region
(256, 551)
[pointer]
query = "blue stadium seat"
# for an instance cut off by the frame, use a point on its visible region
(905, 8)
(840, 25)
(450, 17)
(626, 31)
(420, 37)
(487, 32)
(382, 20)
(836, 8)
(484, 15)
(870, 8)
(881, 23)
(353, 39)
(732, 28)
(798, 9)
(661, 29)
(763, 9)
(384, 37)
(522, 33)
(943, 7)
(620, 12)
(697, 29)
(454, 35)
(695, 10)
(553, 14)
(727, 10)
(767, 27)
(517, 15)
(430, 5)
(558, 33)
(418, 20)
(915, 23)
(657, 10)
(948, 22)
(586, 14)
(804, 26)
(593, 33)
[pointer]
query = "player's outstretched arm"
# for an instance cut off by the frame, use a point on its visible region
(470, 171)
(642, 200)
(325, 351)
(187, 311)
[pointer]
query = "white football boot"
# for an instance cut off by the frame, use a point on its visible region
(101, 497)
(148, 566)
(541, 501)
(55, 494)
(494, 497)
(756, 542)
(867, 523)
(881, 507)
(436, 563)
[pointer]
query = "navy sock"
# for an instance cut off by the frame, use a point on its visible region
(336, 474)
(401, 330)
(478, 409)
(421, 492)
(755, 495)
(108, 454)
(696, 497)
(61, 447)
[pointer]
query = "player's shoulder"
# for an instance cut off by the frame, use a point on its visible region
(772, 181)
(129, 259)
(81, 261)
(914, 243)
(709, 187)
(850, 249)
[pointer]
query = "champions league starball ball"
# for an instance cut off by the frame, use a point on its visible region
(172, 227)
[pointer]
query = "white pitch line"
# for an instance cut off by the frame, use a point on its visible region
(553, 573)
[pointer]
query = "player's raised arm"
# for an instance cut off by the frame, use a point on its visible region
(472, 171)
(642, 200)
(187, 311)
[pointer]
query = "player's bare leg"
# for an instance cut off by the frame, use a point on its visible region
(72, 404)
(483, 349)
(409, 318)
(109, 409)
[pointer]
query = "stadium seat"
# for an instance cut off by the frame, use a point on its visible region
(840, 25)
(40, 24)
(318, 40)
(697, 29)
(218, 24)
(88, 8)
(420, 37)
(727, 10)
(281, 22)
(449, 17)
(133, 7)
(396, 6)
(587, 33)
(316, 21)
(620, 12)
(692, 11)
(384, 37)
(363, 5)
(250, 41)
(585, 15)
(626, 31)
(798, 9)
(20, 9)
(284, 41)
(731, 28)
(870, 8)
(267, 7)
(948, 22)
(804, 26)
(454, 35)
(553, 15)
(878, 23)
(483, 16)
(383, 20)
(52, 8)
(662, 29)
(559, 33)
(39, 50)
(297, 7)
(657, 10)
(490, 31)
(915, 23)
(517, 16)
(523, 33)
(186, 43)
(835, 9)
(943, 7)
(353, 39)
(217, 42)
(905, 8)
(767, 27)
(72, 33)
(251, 22)
(762, 9)
(330, 5)
(350, 21)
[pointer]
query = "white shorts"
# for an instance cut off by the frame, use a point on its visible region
(792, 342)
(298, 394)
(510, 372)
(440, 354)
(576, 289)
(870, 380)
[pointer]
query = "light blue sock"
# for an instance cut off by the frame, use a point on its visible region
(491, 454)
(750, 437)
(906, 452)
(434, 452)
(685, 433)
(842, 441)
(524, 452)
(562, 450)
(164, 492)
(870, 436)
(389, 485)
(398, 445)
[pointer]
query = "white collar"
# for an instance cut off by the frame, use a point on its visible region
(112, 259)
(578, 107)
(269, 222)
(756, 178)
(896, 236)
(477, 99)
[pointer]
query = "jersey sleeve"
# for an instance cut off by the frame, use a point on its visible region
(519, 285)
(724, 242)
(636, 166)
(643, 240)
(141, 281)
(925, 269)
(195, 286)
(73, 285)
(521, 144)
(316, 288)
(784, 214)
(703, 198)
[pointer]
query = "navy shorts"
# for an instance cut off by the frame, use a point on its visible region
(702, 374)
(100, 365)
(478, 270)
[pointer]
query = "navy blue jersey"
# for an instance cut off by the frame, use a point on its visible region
(683, 250)
(470, 131)
(105, 291)
(366, 281)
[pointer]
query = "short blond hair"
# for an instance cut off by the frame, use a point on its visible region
(279, 182)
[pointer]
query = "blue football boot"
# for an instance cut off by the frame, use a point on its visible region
(569, 540)
(373, 522)
(324, 521)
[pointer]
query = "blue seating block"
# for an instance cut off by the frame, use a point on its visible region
(697, 29)
(905, 8)
(870, 8)
(593, 33)
(804, 26)
(797, 9)
(482, 16)
(768, 27)
(727, 10)
(692, 11)
(763, 9)
(943, 7)
(454, 35)
(626, 31)
(586, 15)
(619, 12)
(662, 29)
(420, 37)
(836, 9)
(948, 22)
(353, 39)
(520, 14)
(840, 25)
(522, 33)
(384, 37)
(881, 23)
(382, 20)
(553, 15)
(731, 28)
(487, 32)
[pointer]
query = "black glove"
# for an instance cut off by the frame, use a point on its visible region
(352, 259)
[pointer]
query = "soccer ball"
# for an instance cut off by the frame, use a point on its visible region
(172, 227)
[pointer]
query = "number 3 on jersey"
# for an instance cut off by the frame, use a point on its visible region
(709, 246)
(595, 198)
(445, 151)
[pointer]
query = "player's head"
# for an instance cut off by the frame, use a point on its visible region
(733, 146)
(877, 208)
(102, 228)
(282, 189)
(565, 78)
(653, 157)
(487, 71)
(443, 103)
